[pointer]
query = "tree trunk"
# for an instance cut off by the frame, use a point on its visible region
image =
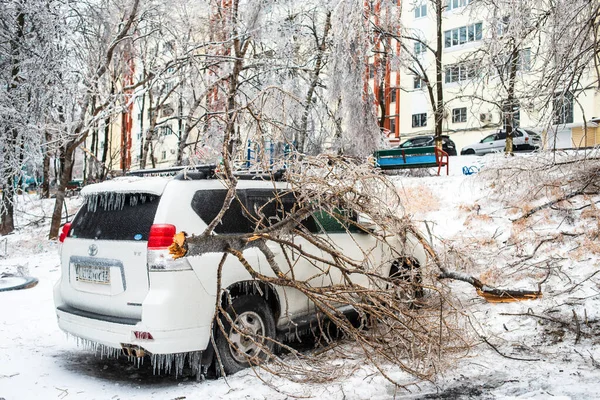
(7, 222)
(301, 138)
(510, 105)
(106, 140)
(182, 132)
(65, 176)
(439, 111)
(45, 193)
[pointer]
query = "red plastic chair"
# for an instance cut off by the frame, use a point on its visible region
(442, 159)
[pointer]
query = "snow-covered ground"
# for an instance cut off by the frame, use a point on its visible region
(546, 348)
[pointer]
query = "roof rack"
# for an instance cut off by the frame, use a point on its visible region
(276, 175)
(208, 172)
(180, 173)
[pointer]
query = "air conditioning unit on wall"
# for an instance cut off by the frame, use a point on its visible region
(485, 117)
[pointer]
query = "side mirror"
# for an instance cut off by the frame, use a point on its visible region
(365, 222)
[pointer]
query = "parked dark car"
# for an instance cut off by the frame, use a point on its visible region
(428, 140)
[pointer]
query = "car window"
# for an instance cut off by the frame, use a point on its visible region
(420, 142)
(115, 216)
(208, 203)
(489, 138)
(408, 143)
(501, 135)
(517, 133)
(260, 205)
(267, 206)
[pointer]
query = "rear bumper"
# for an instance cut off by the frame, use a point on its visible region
(176, 311)
(114, 334)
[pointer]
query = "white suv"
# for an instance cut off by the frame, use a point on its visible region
(121, 291)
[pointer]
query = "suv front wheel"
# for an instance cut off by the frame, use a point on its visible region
(249, 340)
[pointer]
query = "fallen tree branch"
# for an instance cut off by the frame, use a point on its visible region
(504, 355)
(491, 294)
(553, 202)
(531, 314)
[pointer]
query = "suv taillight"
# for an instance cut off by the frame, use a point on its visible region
(161, 236)
(64, 232)
(159, 259)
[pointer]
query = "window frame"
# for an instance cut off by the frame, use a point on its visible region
(420, 10)
(460, 72)
(419, 120)
(418, 82)
(463, 34)
(456, 4)
(419, 48)
(563, 112)
(459, 115)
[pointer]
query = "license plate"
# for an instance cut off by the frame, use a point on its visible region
(92, 274)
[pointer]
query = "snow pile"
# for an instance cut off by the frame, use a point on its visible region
(545, 348)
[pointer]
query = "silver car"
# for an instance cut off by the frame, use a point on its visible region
(523, 140)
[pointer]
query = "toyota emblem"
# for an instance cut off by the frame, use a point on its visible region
(93, 250)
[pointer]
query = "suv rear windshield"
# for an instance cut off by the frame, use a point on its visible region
(115, 216)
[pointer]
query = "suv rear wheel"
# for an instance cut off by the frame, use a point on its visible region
(407, 273)
(249, 340)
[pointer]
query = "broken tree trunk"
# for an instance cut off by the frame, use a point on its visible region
(491, 294)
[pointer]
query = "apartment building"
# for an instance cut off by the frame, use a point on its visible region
(474, 93)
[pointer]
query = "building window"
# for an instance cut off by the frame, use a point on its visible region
(461, 72)
(419, 120)
(505, 62)
(393, 126)
(503, 25)
(464, 34)
(371, 71)
(524, 61)
(421, 10)
(459, 115)
(563, 108)
(454, 4)
(139, 135)
(393, 95)
(418, 83)
(165, 130)
(420, 48)
(164, 155)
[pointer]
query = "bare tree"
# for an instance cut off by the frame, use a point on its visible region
(414, 50)
(82, 116)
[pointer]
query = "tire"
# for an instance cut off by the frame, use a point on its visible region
(467, 152)
(408, 271)
(235, 351)
(17, 282)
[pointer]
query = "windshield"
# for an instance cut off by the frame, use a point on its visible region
(115, 216)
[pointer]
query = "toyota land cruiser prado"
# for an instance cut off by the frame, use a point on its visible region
(120, 290)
